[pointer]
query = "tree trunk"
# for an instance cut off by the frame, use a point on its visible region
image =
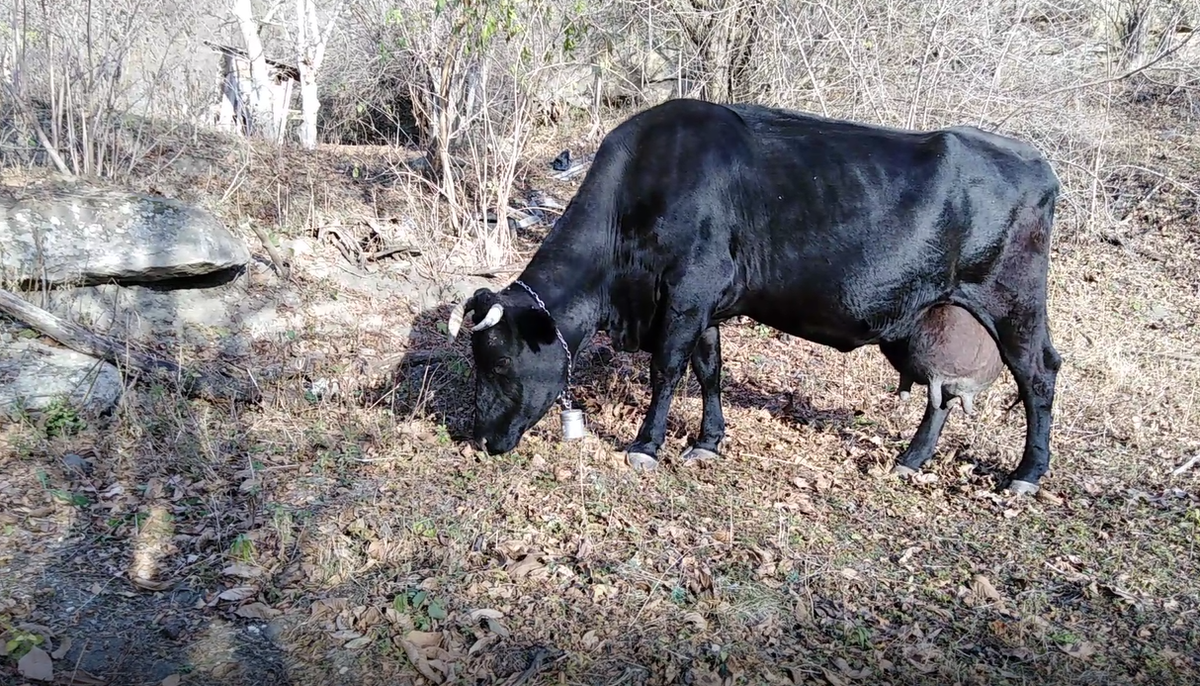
(310, 104)
(723, 33)
(262, 106)
(229, 114)
(311, 43)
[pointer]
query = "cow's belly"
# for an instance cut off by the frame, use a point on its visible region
(841, 319)
(822, 327)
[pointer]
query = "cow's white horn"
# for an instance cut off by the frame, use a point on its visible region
(493, 316)
(456, 319)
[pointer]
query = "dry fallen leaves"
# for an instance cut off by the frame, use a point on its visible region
(36, 665)
(358, 643)
(697, 620)
(424, 639)
(530, 565)
(602, 591)
(238, 593)
(590, 641)
(983, 588)
(848, 671)
(328, 607)
(484, 613)
(61, 652)
(150, 584)
(419, 661)
(1081, 650)
(243, 570)
(257, 610)
(833, 678)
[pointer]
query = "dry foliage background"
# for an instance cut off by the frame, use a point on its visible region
(337, 534)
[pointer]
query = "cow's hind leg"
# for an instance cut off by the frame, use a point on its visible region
(706, 363)
(1030, 355)
(1017, 309)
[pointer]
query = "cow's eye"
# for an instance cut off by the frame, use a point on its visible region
(502, 365)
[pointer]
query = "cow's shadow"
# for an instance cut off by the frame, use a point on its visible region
(434, 379)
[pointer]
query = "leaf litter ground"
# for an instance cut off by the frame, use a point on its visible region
(347, 539)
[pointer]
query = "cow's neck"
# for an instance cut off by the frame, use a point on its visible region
(566, 291)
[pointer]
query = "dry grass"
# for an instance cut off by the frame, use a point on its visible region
(345, 538)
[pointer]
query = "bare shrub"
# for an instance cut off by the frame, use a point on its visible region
(93, 81)
(470, 72)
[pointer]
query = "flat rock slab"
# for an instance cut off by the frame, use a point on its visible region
(35, 377)
(81, 235)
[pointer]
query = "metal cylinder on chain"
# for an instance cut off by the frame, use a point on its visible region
(572, 425)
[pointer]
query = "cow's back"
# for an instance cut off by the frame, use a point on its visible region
(834, 231)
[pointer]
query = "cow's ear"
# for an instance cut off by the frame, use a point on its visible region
(481, 301)
(536, 327)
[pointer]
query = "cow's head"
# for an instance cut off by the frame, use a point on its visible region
(520, 365)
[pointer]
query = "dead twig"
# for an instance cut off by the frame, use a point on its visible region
(348, 248)
(491, 272)
(1186, 465)
(38, 131)
(542, 658)
(192, 383)
(390, 250)
(280, 267)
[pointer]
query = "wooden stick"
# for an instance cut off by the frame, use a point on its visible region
(1186, 465)
(38, 131)
(392, 250)
(280, 269)
(193, 384)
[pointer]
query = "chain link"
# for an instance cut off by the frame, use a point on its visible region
(564, 397)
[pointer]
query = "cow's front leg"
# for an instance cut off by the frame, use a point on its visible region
(706, 363)
(667, 366)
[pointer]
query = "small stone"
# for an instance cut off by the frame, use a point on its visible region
(174, 628)
(75, 462)
(35, 377)
(274, 630)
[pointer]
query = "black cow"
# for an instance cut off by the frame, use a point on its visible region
(836, 232)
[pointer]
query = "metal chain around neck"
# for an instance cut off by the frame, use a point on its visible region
(564, 398)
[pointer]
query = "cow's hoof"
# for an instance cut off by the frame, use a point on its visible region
(696, 456)
(902, 471)
(905, 395)
(1018, 487)
(641, 462)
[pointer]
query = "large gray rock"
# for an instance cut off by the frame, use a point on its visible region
(81, 235)
(228, 317)
(34, 377)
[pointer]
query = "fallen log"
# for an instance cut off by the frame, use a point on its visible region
(194, 384)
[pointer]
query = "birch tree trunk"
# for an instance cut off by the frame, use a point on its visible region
(311, 41)
(262, 106)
